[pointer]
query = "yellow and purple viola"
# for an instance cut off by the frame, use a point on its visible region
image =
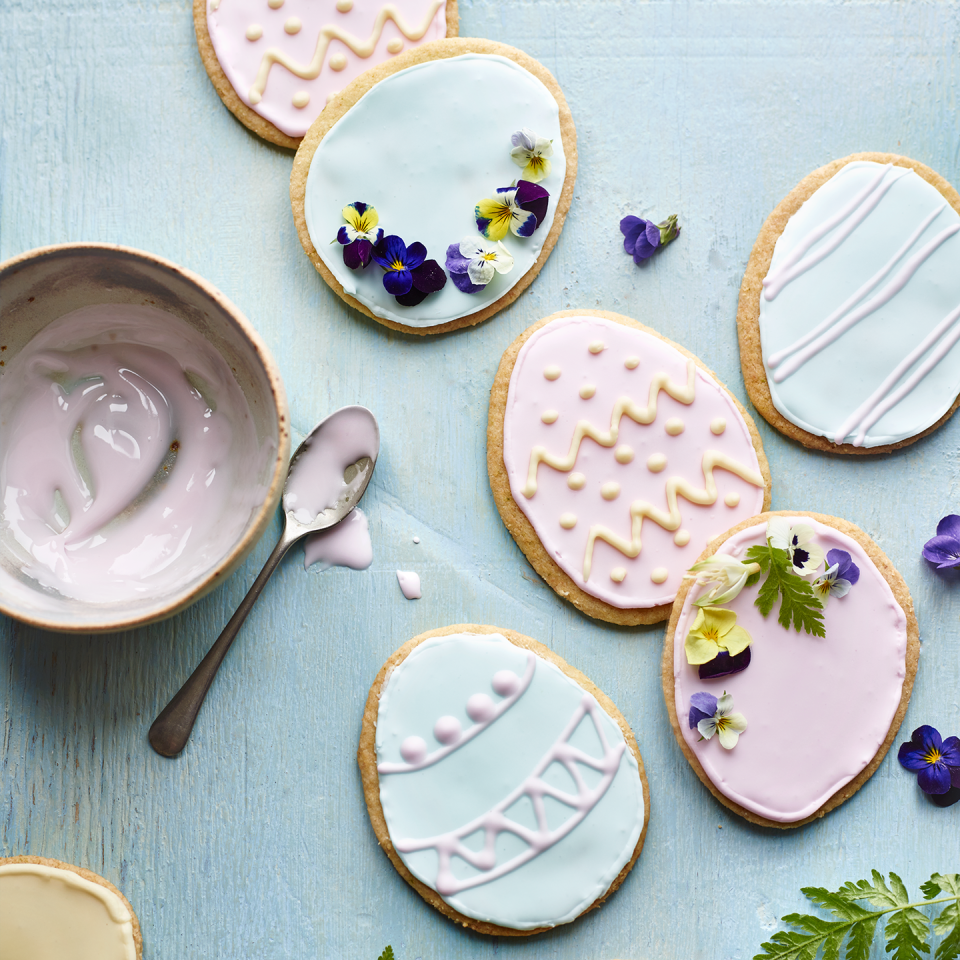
(360, 234)
(407, 273)
(531, 152)
(710, 715)
(474, 262)
(519, 209)
(716, 645)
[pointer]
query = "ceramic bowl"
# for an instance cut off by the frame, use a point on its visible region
(40, 286)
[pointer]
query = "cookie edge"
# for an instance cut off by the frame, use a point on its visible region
(911, 662)
(367, 761)
(515, 520)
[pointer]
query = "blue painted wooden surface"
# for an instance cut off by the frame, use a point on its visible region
(255, 843)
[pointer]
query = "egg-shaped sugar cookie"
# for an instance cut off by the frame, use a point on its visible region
(276, 64)
(614, 457)
(849, 316)
(505, 788)
(429, 194)
(788, 665)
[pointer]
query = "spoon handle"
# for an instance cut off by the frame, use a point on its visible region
(171, 730)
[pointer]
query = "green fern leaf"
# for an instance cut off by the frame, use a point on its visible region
(789, 945)
(949, 948)
(840, 906)
(942, 882)
(798, 604)
(948, 920)
(861, 938)
(387, 954)
(906, 934)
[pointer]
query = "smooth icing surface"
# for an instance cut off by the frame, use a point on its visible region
(285, 60)
(817, 709)
(129, 462)
(50, 914)
(413, 147)
(639, 502)
(346, 544)
(860, 313)
(476, 731)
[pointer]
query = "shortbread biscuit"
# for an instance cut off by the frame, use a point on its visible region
(614, 457)
(819, 713)
(472, 730)
(424, 140)
(849, 316)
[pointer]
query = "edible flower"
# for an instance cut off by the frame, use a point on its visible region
(408, 275)
(841, 574)
(944, 548)
(714, 630)
(520, 208)
(360, 234)
(531, 152)
(727, 574)
(935, 761)
(805, 556)
(642, 238)
(473, 263)
(712, 716)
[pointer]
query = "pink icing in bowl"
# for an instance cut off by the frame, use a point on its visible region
(126, 367)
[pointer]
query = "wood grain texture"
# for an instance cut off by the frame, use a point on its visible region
(255, 842)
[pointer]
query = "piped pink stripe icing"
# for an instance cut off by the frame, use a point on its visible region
(817, 709)
(581, 368)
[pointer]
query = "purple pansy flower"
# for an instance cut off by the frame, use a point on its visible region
(642, 238)
(935, 761)
(840, 575)
(360, 234)
(944, 548)
(408, 275)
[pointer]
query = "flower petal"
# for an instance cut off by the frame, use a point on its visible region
(416, 254)
(356, 255)
(523, 223)
(456, 261)
(724, 665)
(397, 282)
(481, 271)
(950, 751)
(630, 227)
(462, 282)
(707, 728)
(736, 640)
(911, 758)
(725, 704)
(412, 298)
(706, 702)
(533, 198)
(934, 778)
(778, 533)
(390, 250)
(728, 737)
(504, 261)
(429, 277)
(949, 526)
(943, 550)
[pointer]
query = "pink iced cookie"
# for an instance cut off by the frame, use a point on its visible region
(615, 456)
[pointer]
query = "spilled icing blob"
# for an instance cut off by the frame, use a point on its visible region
(410, 587)
(345, 544)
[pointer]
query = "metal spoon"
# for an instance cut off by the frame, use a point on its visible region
(171, 730)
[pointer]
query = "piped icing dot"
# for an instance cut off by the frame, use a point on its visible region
(596, 346)
(610, 490)
(395, 45)
(447, 730)
(413, 749)
(274, 4)
(551, 372)
(344, 6)
(681, 538)
(576, 481)
(617, 574)
(587, 391)
(338, 61)
(624, 454)
(331, 95)
(659, 574)
(631, 363)
(292, 25)
(718, 425)
(549, 416)
(254, 31)
(480, 708)
(300, 99)
(732, 499)
(674, 426)
(656, 462)
(568, 520)
(505, 682)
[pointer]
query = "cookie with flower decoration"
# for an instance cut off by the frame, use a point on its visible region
(430, 192)
(788, 665)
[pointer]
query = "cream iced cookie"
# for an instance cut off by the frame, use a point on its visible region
(506, 789)
(445, 175)
(788, 665)
(277, 63)
(615, 456)
(50, 910)
(849, 314)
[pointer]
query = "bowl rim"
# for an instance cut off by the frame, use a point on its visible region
(256, 528)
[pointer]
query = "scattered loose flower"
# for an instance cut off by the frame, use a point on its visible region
(519, 208)
(642, 238)
(727, 575)
(935, 761)
(474, 262)
(805, 555)
(841, 574)
(715, 630)
(360, 234)
(944, 548)
(408, 275)
(531, 152)
(712, 716)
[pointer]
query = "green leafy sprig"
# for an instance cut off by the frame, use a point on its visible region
(906, 933)
(387, 954)
(798, 603)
